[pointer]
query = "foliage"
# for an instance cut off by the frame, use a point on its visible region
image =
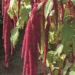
(56, 43)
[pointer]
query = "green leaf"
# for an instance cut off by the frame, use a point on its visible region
(73, 1)
(65, 68)
(63, 1)
(39, 5)
(67, 47)
(27, 2)
(51, 36)
(74, 40)
(10, 11)
(48, 7)
(59, 30)
(51, 13)
(13, 8)
(67, 32)
(72, 71)
(14, 36)
(55, 72)
(49, 59)
(59, 49)
(24, 16)
(74, 45)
